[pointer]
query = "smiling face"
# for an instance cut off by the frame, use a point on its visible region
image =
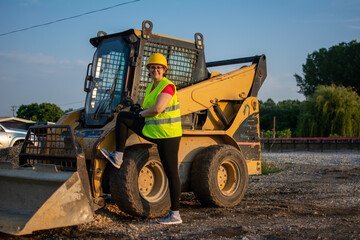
(156, 71)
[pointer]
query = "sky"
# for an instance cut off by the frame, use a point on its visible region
(48, 63)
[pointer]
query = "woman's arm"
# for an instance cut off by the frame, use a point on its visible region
(162, 101)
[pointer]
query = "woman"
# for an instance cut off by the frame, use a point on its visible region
(159, 122)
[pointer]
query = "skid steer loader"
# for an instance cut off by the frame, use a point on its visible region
(63, 178)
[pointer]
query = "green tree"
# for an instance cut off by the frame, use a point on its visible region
(69, 110)
(278, 134)
(337, 65)
(331, 111)
(285, 112)
(267, 112)
(44, 112)
(287, 115)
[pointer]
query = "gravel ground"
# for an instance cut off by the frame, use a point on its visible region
(325, 158)
(316, 196)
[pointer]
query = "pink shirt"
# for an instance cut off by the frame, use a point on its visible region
(169, 89)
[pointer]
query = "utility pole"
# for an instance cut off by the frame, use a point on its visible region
(274, 127)
(13, 109)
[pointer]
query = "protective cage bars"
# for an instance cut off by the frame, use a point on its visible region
(109, 67)
(50, 145)
(181, 65)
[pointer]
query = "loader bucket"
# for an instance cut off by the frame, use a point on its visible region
(51, 187)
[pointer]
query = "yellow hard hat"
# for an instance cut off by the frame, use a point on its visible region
(157, 58)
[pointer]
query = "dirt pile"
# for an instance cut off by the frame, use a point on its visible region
(11, 155)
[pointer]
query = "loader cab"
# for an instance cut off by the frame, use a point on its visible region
(105, 80)
(118, 76)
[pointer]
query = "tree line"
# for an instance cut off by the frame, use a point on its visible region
(331, 85)
(44, 112)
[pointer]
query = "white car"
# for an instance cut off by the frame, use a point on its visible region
(10, 137)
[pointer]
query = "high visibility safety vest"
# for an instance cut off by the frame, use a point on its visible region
(166, 124)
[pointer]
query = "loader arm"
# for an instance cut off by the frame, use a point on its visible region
(233, 86)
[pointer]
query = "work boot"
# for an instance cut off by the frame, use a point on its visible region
(170, 219)
(115, 158)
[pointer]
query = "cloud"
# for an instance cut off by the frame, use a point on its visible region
(330, 20)
(39, 59)
(351, 20)
(353, 27)
(280, 87)
(27, 3)
(28, 58)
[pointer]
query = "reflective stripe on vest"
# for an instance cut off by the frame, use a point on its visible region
(172, 108)
(163, 121)
(167, 124)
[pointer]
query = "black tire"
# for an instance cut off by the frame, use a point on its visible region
(140, 187)
(18, 143)
(219, 176)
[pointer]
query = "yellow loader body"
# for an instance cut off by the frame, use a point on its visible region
(63, 178)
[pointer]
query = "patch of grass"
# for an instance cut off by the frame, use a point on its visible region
(268, 167)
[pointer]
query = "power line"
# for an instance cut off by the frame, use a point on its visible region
(64, 19)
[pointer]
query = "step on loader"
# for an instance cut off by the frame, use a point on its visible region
(62, 178)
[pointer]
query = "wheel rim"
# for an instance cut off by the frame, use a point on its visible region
(152, 181)
(228, 177)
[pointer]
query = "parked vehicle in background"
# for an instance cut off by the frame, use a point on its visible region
(10, 137)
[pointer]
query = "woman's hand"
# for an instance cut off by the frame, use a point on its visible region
(135, 107)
